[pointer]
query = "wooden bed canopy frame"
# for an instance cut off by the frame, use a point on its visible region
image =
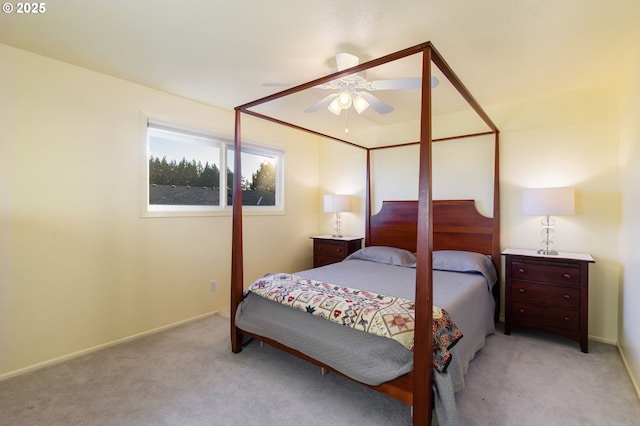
(421, 226)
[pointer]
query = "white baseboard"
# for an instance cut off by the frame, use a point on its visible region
(224, 313)
(603, 340)
(634, 382)
(105, 345)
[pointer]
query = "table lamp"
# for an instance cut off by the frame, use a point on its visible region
(337, 203)
(548, 202)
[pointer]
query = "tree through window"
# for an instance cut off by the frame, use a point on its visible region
(185, 172)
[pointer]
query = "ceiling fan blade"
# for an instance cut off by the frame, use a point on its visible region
(346, 60)
(397, 84)
(402, 83)
(376, 104)
(323, 103)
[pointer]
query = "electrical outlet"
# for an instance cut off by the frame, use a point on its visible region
(214, 285)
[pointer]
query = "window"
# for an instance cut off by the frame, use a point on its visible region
(260, 178)
(190, 172)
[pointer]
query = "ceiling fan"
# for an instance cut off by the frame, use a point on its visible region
(355, 90)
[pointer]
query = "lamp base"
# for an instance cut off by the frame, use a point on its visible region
(548, 252)
(547, 247)
(337, 232)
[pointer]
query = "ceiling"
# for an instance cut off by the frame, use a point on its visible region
(222, 52)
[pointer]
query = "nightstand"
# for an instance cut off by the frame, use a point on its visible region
(549, 293)
(328, 249)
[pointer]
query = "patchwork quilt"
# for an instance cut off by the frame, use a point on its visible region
(374, 313)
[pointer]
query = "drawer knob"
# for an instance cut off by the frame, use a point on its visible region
(521, 270)
(566, 319)
(567, 276)
(521, 290)
(566, 296)
(339, 250)
(521, 310)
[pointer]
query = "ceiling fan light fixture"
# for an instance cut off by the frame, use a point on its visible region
(344, 99)
(334, 106)
(360, 104)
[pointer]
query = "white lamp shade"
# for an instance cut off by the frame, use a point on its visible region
(334, 106)
(548, 201)
(337, 203)
(344, 99)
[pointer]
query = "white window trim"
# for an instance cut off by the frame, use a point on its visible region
(226, 145)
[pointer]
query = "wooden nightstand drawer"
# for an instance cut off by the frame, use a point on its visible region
(328, 250)
(537, 315)
(561, 297)
(331, 248)
(546, 273)
(322, 260)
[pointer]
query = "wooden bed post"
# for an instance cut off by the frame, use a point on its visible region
(237, 285)
(367, 202)
(423, 344)
(495, 253)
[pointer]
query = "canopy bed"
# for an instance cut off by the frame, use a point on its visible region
(409, 239)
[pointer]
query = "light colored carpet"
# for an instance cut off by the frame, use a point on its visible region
(188, 376)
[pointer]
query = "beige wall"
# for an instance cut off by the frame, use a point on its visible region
(80, 267)
(343, 171)
(462, 169)
(629, 332)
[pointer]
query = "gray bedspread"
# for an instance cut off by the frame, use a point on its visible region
(372, 359)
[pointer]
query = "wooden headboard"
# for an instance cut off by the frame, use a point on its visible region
(457, 225)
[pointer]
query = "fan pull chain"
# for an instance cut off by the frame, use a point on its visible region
(346, 121)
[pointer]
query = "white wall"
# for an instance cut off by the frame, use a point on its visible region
(629, 331)
(80, 267)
